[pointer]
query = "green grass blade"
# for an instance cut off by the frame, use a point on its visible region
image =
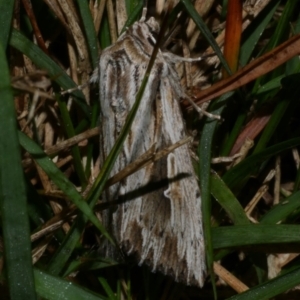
(133, 12)
(6, 8)
(204, 154)
(59, 179)
(107, 288)
(54, 288)
(280, 33)
(89, 262)
(132, 4)
(59, 260)
(13, 200)
(288, 97)
(228, 201)
(90, 32)
(69, 130)
(282, 29)
(104, 34)
(259, 25)
(249, 235)
(205, 31)
(282, 210)
(271, 288)
(273, 84)
(240, 172)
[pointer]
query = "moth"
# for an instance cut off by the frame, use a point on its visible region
(159, 220)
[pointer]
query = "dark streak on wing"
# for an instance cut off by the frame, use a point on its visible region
(139, 43)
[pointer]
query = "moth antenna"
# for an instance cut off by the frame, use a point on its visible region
(175, 58)
(144, 13)
(93, 79)
(79, 87)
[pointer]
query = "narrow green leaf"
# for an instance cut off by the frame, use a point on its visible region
(89, 262)
(240, 172)
(13, 201)
(90, 32)
(259, 24)
(104, 34)
(107, 288)
(69, 129)
(275, 83)
(54, 288)
(6, 8)
(271, 288)
(228, 201)
(283, 26)
(134, 12)
(273, 123)
(132, 4)
(59, 179)
(245, 235)
(204, 154)
(281, 211)
(205, 31)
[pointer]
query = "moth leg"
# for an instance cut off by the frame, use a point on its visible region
(176, 58)
(182, 94)
(94, 79)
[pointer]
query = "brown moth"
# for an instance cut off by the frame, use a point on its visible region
(159, 220)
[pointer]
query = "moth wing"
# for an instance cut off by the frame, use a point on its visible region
(159, 219)
(163, 226)
(120, 79)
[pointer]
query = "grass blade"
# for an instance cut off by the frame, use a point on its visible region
(54, 288)
(271, 288)
(6, 8)
(13, 200)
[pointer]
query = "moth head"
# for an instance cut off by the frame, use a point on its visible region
(153, 27)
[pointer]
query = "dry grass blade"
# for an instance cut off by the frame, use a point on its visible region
(253, 70)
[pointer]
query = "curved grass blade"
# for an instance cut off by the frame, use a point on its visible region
(54, 288)
(59, 179)
(259, 24)
(107, 288)
(228, 201)
(13, 201)
(277, 115)
(243, 170)
(271, 288)
(282, 210)
(231, 205)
